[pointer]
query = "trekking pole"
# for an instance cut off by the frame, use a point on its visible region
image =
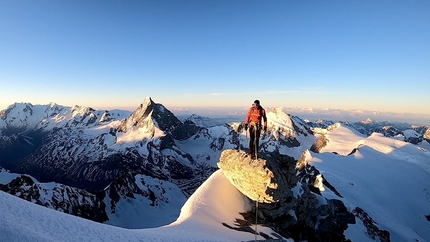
(256, 217)
(246, 131)
(256, 143)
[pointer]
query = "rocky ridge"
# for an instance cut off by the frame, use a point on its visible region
(286, 202)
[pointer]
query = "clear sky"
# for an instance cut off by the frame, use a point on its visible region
(371, 55)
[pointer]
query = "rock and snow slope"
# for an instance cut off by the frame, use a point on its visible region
(385, 176)
(216, 201)
(394, 192)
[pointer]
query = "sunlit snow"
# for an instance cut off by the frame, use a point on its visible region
(215, 202)
(386, 177)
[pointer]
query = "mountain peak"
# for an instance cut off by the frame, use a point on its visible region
(81, 110)
(147, 101)
(367, 121)
(201, 121)
(150, 115)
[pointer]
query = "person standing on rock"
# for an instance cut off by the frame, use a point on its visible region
(256, 114)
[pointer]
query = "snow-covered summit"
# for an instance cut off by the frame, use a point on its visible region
(156, 120)
(279, 120)
(26, 116)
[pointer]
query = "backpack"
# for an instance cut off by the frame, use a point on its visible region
(260, 113)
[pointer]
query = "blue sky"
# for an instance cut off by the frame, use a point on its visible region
(371, 55)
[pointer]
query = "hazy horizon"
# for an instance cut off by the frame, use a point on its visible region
(312, 114)
(335, 114)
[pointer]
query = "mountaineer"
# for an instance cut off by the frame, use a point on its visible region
(253, 122)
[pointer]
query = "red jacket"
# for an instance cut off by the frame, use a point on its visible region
(255, 114)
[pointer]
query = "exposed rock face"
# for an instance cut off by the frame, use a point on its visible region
(148, 113)
(62, 198)
(372, 229)
(105, 206)
(254, 178)
(319, 144)
(427, 135)
(388, 131)
(286, 200)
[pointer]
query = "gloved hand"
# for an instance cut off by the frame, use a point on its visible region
(246, 127)
(265, 128)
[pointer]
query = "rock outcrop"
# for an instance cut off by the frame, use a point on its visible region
(254, 179)
(287, 203)
(372, 229)
(426, 135)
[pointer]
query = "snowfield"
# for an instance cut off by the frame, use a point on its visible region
(385, 176)
(215, 202)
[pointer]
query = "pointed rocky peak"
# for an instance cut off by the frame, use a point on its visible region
(150, 114)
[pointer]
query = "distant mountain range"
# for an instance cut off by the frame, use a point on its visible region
(353, 115)
(116, 166)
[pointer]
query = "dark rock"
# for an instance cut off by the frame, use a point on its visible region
(285, 202)
(319, 144)
(414, 140)
(372, 229)
(62, 198)
(388, 131)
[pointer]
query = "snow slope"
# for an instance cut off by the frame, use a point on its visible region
(388, 178)
(215, 202)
